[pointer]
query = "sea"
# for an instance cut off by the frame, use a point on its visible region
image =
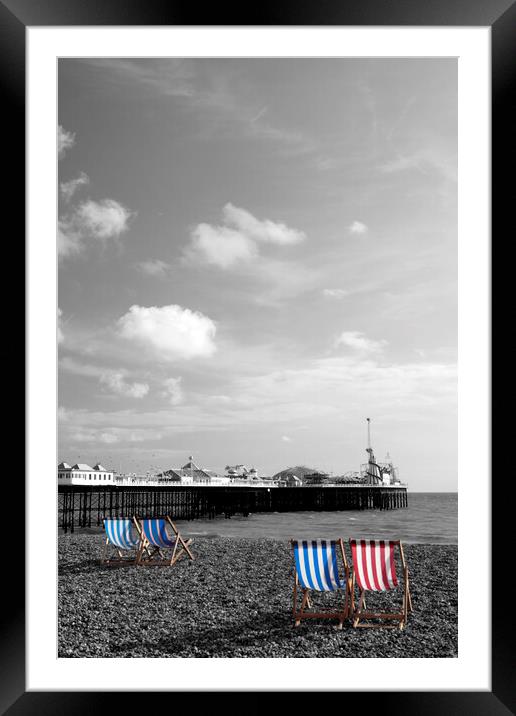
(430, 518)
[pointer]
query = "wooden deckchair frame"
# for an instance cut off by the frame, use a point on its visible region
(155, 555)
(122, 559)
(360, 613)
(301, 613)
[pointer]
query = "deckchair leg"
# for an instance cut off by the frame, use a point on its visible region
(347, 597)
(361, 604)
(144, 547)
(172, 559)
(180, 538)
(407, 600)
(344, 613)
(304, 603)
(104, 550)
(184, 550)
(186, 544)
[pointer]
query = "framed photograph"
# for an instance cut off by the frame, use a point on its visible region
(242, 239)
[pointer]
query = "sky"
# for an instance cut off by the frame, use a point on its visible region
(256, 255)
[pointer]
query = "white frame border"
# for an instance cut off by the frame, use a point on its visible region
(472, 669)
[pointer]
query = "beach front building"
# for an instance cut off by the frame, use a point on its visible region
(316, 478)
(191, 474)
(134, 479)
(240, 473)
(83, 474)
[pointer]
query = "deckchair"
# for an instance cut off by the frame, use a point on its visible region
(374, 569)
(316, 569)
(124, 536)
(156, 540)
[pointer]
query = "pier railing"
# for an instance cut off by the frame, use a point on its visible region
(82, 506)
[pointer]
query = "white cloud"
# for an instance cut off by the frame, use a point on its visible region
(426, 161)
(101, 220)
(266, 230)
(65, 140)
(236, 242)
(313, 394)
(60, 336)
(220, 246)
(115, 380)
(286, 439)
(86, 437)
(281, 280)
(68, 240)
(68, 188)
(317, 391)
(113, 435)
(116, 383)
(324, 163)
(359, 342)
(154, 267)
(173, 391)
(335, 292)
(169, 332)
(72, 366)
(400, 164)
(108, 438)
(357, 227)
(170, 77)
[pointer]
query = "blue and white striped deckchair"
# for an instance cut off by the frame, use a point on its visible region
(316, 567)
(123, 535)
(156, 538)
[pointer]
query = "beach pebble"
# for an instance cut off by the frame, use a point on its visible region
(235, 600)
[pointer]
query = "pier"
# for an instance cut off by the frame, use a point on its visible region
(80, 506)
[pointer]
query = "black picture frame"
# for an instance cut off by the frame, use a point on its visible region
(500, 16)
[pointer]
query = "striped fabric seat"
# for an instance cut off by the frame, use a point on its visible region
(155, 532)
(373, 562)
(121, 533)
(159, 537)
(316, 565)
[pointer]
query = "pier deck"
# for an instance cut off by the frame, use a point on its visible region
(82, 506)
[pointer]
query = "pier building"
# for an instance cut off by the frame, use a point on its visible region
(83, 474)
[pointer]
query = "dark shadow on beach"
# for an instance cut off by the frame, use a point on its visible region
(90, 566)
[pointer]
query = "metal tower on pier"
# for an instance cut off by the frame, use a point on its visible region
(373, 471)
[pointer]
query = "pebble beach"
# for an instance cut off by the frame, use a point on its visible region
(235, 601)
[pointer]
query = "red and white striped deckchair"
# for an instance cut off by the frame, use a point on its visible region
(374, 569)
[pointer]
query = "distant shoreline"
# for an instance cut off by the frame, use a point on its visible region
(190, 528)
